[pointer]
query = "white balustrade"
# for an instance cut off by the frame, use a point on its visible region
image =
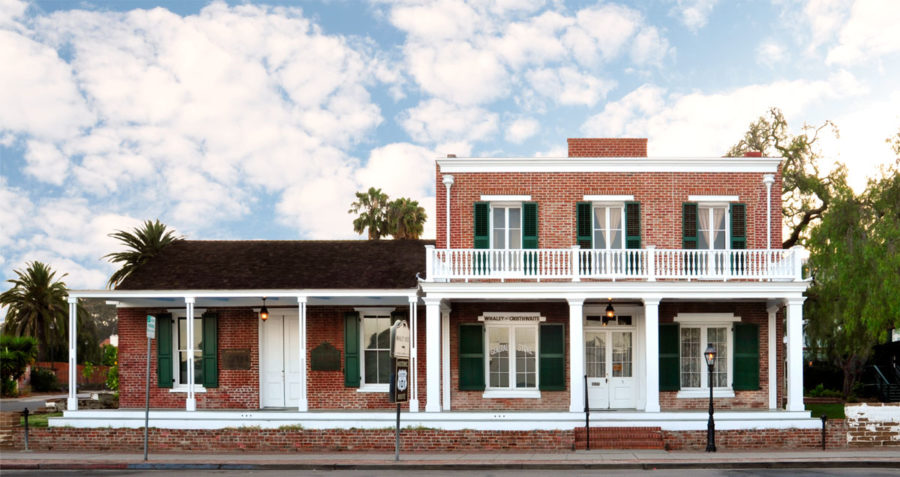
(632, 264)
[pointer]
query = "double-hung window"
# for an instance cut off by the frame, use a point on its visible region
(696, 332)
(512, 357)
(376, 341)
(609, 226)
(506, 226)
(183, 352)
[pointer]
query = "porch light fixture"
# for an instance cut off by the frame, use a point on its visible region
(710, 356)
(264, 312)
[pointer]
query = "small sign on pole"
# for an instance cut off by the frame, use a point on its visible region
(151, 326)
(151, 333)
(400, 340)
(399, 389)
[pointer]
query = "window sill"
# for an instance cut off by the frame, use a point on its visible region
(374, 388)
(184, 389)
(704, 393)
(512, 393)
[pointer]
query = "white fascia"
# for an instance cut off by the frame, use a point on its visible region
(118, 294)
(609, 164)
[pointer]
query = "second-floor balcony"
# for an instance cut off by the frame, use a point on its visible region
(648, 264)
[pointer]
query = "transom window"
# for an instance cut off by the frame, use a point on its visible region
(609, 226)
(512, 356)
(712, 230)
(506, 226)
(694, 341)
(376, 342)
(183, 353)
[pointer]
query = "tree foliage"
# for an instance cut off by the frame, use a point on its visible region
(402, 218)
(36, 306)
(142, 243)
(16, 353)
(807, 190)
(854, 299)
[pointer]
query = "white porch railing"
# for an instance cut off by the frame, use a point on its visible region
(642, 264)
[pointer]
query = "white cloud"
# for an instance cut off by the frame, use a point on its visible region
(771, 53)
(522, 129)
(569, 86)
(870, 32)
(14, 214)
(10, 11)
(46, 162)
(436, 120)
(694, 14)
(825, 17)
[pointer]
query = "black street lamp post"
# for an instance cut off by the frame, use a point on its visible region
(710, 355)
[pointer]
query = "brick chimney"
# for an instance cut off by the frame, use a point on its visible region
(607, 147)
(753, 154)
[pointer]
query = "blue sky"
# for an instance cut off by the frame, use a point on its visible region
(246, 120)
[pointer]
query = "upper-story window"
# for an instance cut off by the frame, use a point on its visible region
(505, 222)
(609, 226)
(714, 223)
(608, 222)
(506, 226)
(711, 232)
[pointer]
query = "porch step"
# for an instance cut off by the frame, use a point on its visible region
(620, 438)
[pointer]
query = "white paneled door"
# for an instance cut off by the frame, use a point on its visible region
(609, 365)
(280, 356)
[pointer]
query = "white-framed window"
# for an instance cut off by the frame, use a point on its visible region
(609, 226)
(696, 332)
(712, 227)
(182, 353)
(376, 353)
(506, 226)
(512, 352)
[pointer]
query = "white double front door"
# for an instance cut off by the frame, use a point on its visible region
(280, 360)
(609, 365)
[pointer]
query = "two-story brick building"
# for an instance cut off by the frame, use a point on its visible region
(601, 276)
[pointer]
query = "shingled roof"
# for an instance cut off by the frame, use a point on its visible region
(282, 264)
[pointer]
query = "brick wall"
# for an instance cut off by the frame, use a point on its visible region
(473, 400)
(238, 389)
(749, 313)
(661, 196)
(873, 424)
(607, 147)
(835, 438)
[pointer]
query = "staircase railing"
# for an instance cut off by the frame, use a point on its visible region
(882, 384)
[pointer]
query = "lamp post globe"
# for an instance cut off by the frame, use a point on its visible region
(710, 356)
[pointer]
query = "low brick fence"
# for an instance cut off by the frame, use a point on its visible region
(835, 438)
(873, 424)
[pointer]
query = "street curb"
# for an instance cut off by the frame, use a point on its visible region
(410, 465)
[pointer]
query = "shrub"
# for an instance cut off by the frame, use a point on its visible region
(110, 356)
(16, 353)
(43, 380)
(820, 391)
(112, 378)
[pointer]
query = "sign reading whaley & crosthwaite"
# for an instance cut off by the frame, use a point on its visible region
(400, 340)
(512, 316)
(151, 326)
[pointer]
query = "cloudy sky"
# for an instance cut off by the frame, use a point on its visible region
(259, 121)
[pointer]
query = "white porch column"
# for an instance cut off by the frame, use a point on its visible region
(303, 401)
(432, 354)
(773, 356)
(72, 401)
(445, 357)
(191, 402)
(413, 354)
(651, 344)
(795, 354)
(576, 355)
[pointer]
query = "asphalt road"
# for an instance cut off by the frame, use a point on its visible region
(868, 472)
(32, 402)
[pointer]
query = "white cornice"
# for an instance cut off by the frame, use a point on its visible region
(117, 294)
(609, 164)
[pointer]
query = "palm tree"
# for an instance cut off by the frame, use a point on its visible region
(143, 243)
(406, 218)
(372, 208)
(36, 306)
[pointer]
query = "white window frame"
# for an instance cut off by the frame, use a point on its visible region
(710, 207)
(607, 206)
(705, 321)
(512, 391)
(506, 205)
(364, 313)
(179, 314)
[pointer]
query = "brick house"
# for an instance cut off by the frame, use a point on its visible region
(601, 276)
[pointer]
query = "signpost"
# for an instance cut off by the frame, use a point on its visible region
(400, 382)
(151, 333)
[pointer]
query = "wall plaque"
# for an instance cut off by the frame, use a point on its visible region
(235, 359)
(325, 357)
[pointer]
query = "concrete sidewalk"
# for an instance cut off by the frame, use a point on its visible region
(601, 459)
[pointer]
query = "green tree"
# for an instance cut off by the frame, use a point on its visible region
(406, 219)
(16, 353)
(807, 190)
(36, 306)
(142, 243)
(371, 208)
(854, 299)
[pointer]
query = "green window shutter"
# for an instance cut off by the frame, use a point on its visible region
(738, 226)
(351, 349)
(481, 220)
(552, 358)
(632, 225)
(583, 225)
(689, 225)
(164, 350)
(210, 346)
(746, 357)
(669, 357)
(471, 357)
(530, 225)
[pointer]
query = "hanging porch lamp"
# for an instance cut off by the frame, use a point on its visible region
(264, 312)
(610, 313)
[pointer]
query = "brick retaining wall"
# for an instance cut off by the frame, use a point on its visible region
(836, 438)
(873, 425)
